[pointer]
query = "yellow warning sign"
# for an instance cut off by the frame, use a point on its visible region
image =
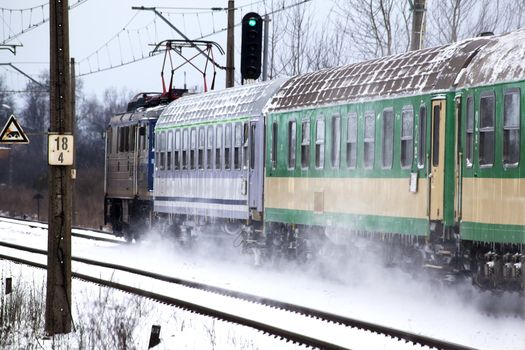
(12, 132)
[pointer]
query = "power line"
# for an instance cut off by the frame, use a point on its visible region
(105, 46)
(29, 26)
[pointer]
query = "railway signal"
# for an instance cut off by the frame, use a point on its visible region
(251, 45)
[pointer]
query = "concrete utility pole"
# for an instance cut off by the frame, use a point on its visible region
(230, 52)
(418, 19)
(58, 298)
(265, 48)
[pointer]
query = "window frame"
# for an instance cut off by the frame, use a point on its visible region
(219, 137)
(406, 141)
(389, 111)
(320, 139)
(469, 131)
(274, 144)
(335, 156)
(305, 144)
(422, 137)
(367, 141)
(504, 156)
(227, 164)
(351, 150)
(484, 130)
(292, 144)
(210, 146)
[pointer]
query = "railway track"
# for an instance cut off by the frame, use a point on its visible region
(202, 291)
(79, 232)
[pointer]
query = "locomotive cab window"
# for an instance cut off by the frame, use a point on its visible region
(237, 147)
(336, 141)
(351, 141)
(202, 143)
(218, 147)
(487, 108)
(319, 144)
(369, 140)
(227, 146)
(511, 128)
(422, 137)
(387, 151)
(292, 141)
(209, 148)
(407, 129)
(273, 153)
(469, 132)
(305, 144)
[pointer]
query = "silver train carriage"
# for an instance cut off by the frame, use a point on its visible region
(209, 166)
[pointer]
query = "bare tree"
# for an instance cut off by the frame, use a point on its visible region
(379, 27)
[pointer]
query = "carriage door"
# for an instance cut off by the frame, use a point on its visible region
(437, 161)
(255, 171)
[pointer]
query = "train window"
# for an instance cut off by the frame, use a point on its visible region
(218, 147)
(511, 128)
(436, 135)
(245, 146)
(486, 129)
(209, 148)
(369, 140)
(292, 142)
(202, 143)
(305, 144)
(176, 164)
(336, 141)
(273, 154)
(387, 151)
(422, 140)
(351, 141)
(132, 136)
(142, 137)
(227, 146)
(170, 149)
(162, 149)
(407, 129)
(193, 146)
(185, 149)
(469, 137)
(319, 144)
(252, 146)
(237, 147)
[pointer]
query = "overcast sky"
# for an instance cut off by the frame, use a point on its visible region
(107, 33)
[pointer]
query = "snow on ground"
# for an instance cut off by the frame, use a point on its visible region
(361, 290)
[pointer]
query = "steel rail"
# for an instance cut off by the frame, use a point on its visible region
(306, 311)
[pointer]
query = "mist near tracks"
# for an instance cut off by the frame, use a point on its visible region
(355, 284)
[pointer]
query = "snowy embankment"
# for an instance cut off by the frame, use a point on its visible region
(361, 291)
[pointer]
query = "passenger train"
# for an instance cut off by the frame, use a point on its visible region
(421, 150)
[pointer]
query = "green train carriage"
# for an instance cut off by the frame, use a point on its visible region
(379, 147)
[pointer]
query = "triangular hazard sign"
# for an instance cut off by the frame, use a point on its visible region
(12, 132)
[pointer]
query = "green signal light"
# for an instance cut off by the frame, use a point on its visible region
(252, 22)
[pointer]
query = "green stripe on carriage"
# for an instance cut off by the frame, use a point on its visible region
(494, 233)
(371, 223)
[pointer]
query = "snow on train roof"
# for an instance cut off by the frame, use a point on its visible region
(246, 100)
(501, 60)
(432, 69)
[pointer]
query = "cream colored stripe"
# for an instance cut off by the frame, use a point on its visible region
(494, 201)
(387, 197)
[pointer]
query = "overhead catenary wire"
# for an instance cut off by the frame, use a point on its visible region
(147, 31)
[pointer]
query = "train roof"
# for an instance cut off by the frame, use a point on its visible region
(242, 101)
(501, 60)
(427, 70)
(142, 113)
